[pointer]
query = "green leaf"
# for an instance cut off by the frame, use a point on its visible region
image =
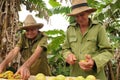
(54, 3)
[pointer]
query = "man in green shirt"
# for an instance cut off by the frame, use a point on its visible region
(86, 40)
(33, 46)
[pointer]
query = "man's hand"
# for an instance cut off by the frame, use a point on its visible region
(87, 64)
(71, 58)
(24, 72)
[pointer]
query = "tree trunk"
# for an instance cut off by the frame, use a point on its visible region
(8, 25)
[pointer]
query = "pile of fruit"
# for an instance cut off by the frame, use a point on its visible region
(41, 76)
(9, 75)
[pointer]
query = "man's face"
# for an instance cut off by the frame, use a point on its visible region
(31, 33)
(82, 17)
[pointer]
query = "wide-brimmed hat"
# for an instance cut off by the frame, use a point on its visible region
(79, 6)
(30, 22)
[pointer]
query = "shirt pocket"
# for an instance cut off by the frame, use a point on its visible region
(91, 43)
(72, 39)
(91, 39)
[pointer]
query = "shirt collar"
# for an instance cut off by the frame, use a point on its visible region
(92, 22)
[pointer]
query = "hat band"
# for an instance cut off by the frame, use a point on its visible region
(79, 5)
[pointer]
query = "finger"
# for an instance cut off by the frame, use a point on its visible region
(71, 61)
(88, 56)
(23, 74)
(85, 68)
(27, 75)
(74, 58)
(87, 64)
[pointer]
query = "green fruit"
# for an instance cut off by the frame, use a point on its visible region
(80, 78)
(40, 76)
(90, 77)
(60, 77)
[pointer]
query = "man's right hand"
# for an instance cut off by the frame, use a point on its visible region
(71, 58)
(24, 72)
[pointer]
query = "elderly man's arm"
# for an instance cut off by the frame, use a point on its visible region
(11, 55)
(24, 69)
(34, 57)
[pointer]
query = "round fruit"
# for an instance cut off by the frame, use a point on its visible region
(51, 78)
(82, 60)
(80, 78)
(60, 77)
(90, 77)
(40, 76)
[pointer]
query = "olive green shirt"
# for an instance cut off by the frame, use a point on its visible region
(94, 42)
(28, 47)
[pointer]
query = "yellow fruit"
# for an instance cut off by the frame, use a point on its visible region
(70, 78)
(80, 78)
(8, 75)
(40, 76)
(90, 77)
(1, 75)
(17, 76)
(82, 61)
(60, 77)
(51, 78)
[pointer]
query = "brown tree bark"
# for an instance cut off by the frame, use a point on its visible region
(9, 20)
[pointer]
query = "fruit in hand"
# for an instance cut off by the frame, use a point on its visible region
(80, 78)
(60, 77)
(40, 76)
(90, 77)
(83, 61)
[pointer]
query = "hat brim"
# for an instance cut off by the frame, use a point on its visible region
(80, 10)
(38, 25)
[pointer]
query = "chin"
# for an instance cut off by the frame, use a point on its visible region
(30, 37)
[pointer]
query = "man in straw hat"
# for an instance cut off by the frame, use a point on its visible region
(86, 47)
(32, 45)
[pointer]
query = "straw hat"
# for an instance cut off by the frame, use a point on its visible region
(30, 23)
(79, 6)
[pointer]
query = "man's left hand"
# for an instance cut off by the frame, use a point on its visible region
(87, 64)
